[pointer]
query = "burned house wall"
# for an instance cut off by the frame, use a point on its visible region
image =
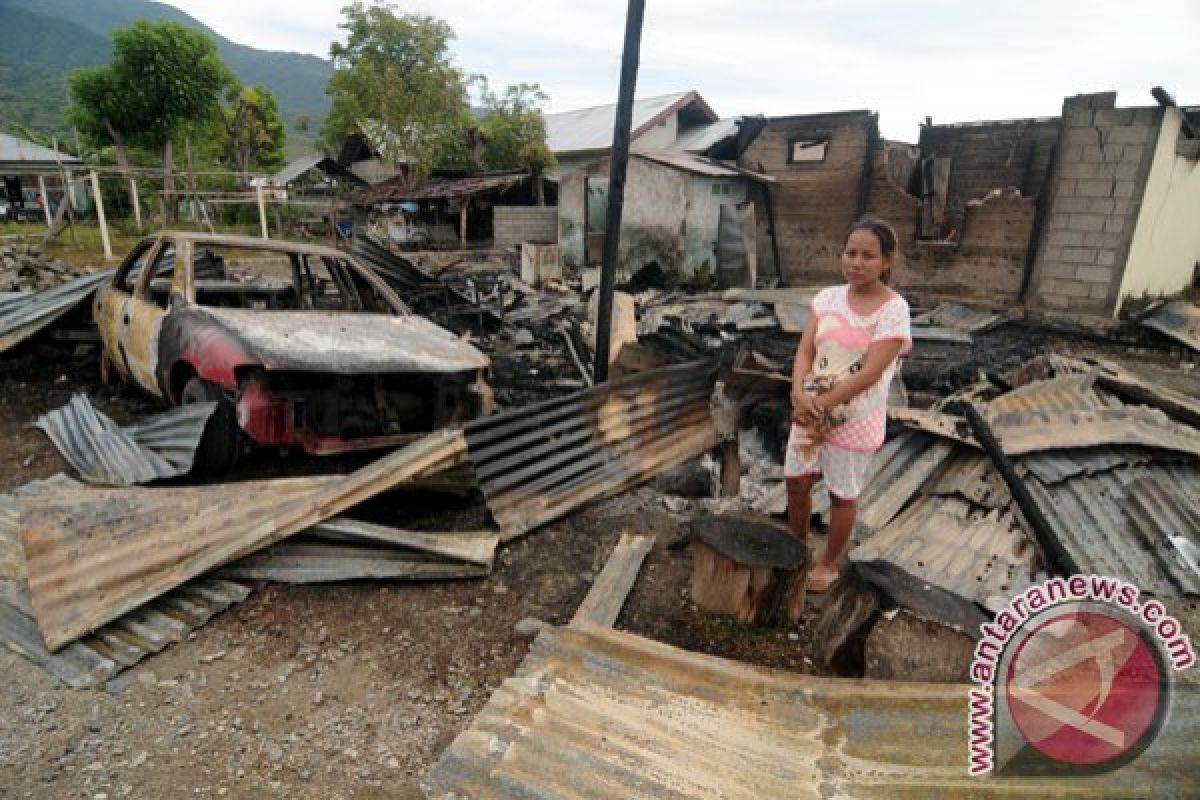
(653, 219)
(572, 209)
(706, 196)
(512, 225)
(985, 264)
(1104, 159)
(814, 201)
(991, 155)
(1165, 252)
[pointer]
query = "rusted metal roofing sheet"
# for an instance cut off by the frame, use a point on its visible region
(343, 549)
(158, 447)
(943, 561)
(305, 559)
(1179, 320)
(22, 317)
(1032, 431)
(1123, 522)
(538, 463)
(596, 713)
(441, 188)
(971, 475)
(95, 555)
(897, 472)
(98, 658)
(1069, 393)
(1056, 466)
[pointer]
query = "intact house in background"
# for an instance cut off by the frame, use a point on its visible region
(30, 173)
(1064, 214)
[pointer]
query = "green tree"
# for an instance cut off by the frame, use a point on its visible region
(254, 129)
(393, 82)
(513, 121)
(162, 77)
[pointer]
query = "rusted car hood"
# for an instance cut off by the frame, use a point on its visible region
(345, 343)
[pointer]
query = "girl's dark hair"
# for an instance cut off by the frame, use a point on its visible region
(883, 232)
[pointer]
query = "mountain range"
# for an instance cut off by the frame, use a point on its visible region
(42, 40)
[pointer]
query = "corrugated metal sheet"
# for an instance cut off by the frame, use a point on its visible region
(306, 559)
(343, 549)
(897, 472)
(970, 475)
(95, 555)
(1056, 466)
(1179, 320)
(538, 463)
(961, 318)
(700, 165)
(943, 561)
(96, 659)
(596, 713)
(17, 156)
(441, 188)
(1112, 524)
(592, 128)
(1068, 393)
(158, 447)
(702, 138)
(1031, 431)
(22, 317)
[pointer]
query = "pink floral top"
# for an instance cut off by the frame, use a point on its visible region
(842, 339)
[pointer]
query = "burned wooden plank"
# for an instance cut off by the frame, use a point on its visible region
(604, 601)
(92, 559)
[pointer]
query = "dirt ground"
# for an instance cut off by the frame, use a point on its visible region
(353, 690)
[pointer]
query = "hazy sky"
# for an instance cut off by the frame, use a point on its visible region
(954, 61)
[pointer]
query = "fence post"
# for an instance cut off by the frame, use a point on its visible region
(137, 203)
(262, 210)
(108, 253)
(45, 200)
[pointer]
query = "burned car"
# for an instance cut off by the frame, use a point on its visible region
(298, 345)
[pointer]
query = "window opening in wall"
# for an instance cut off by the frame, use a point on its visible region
(807, 150)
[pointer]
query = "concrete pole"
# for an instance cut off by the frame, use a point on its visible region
(137, 203)
(45, 200)
(616, 183)
(262, 210)
(108, 253)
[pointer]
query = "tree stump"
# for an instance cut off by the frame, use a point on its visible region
(748, 566)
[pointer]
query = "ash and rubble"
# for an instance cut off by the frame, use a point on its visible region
(26, 268)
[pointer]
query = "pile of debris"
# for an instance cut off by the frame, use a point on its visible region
(94, 579)
(1103, 479)
(25, 268)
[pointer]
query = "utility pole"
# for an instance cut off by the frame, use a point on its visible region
(630, 56)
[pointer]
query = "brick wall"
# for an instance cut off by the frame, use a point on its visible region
(985, 265)
(1104, 158)
(992, 155)
(814, 201)
(512, 225)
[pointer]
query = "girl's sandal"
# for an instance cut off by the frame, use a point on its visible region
(821, 582)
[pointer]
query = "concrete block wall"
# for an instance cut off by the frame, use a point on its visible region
(512, 225)
(1104, 157)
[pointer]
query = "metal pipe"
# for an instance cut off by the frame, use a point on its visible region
(1058, 556)
(616, 183)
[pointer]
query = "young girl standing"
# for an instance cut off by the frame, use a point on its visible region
(844, 365)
